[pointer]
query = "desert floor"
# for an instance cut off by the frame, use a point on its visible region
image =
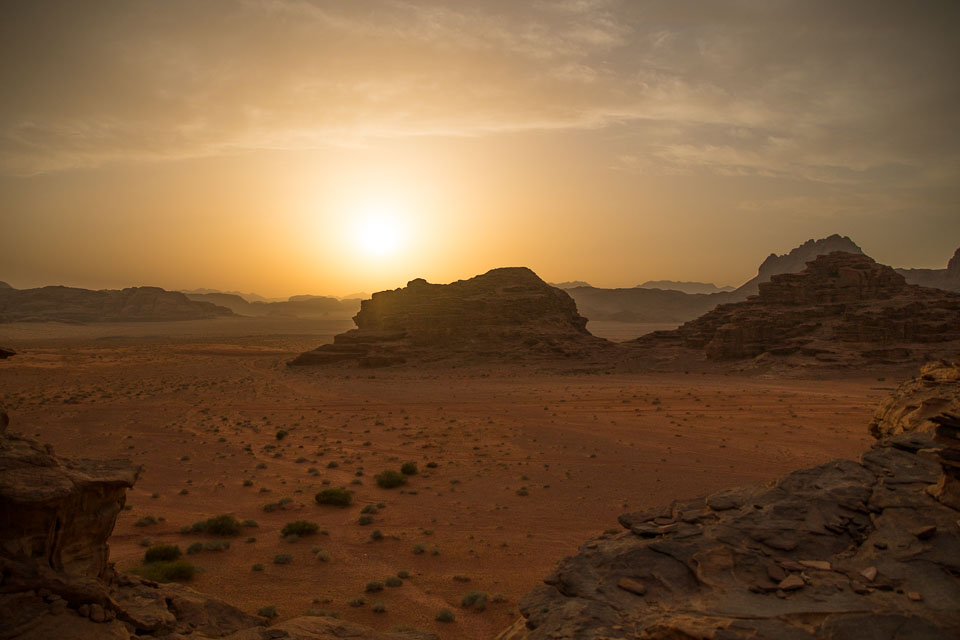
(529, 464)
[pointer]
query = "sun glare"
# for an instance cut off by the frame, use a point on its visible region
(378, 231)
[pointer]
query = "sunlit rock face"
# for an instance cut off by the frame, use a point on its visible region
(843, 308)
(504, 314)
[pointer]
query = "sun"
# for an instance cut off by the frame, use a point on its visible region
(378, 229)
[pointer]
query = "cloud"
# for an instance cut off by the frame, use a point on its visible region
(806, 90)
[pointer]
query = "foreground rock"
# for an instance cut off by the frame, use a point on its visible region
(867, 550)
(505, 314)
(843, 309)
(134, 304)
(917, 401)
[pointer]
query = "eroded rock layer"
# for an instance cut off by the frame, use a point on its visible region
(505, 314)
(918, 400)
(843, 308)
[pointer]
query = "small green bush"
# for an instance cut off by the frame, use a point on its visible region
(393, 581)
(299, 528)
(356, 602)
(336, 497)
(196, 547)
(419, 549)
(162, 553)
(475, 599)
(376, 535)
(379, 607)
(176, 571)
(257, 567)
(267, 612)
(403, 573)
(374, 586)
(444, 615)
(365, 520)
(322, 613)
(390, 479)
(282, 558)
(222, 525)
(409, 469)
(145, 521)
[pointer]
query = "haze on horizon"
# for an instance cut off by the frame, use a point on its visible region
(295, 146)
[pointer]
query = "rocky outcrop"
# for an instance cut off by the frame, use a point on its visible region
(795, 261)
(6, 353)
(947, 279)
(917, 401)
(504, 314)
(867, 550)
(843, 309)
(68, 304)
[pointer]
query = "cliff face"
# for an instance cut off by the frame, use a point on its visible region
(867, 549)
(68, 304)
(505, 313)
(56, 512)
(843, 308)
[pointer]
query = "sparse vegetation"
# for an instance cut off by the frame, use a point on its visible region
(390, 479)
(337, 497)
(176, 571)
(222, 525)
(409, 469)
(270, 611)
(299, 528)
(444, 615)
(282, 558)
(475, 599)
(162, 553)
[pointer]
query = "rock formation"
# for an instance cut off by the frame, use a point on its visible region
(917, 401)
(68, 304)
(6, 353)
(55, 517)
(947, 279)
(507, 313)
(842, 309)
(795, 261)
(867, 550)
(640, 304)
(295, 307)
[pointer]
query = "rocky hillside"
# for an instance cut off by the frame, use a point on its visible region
(867, 549)
(56, 515)
(641, 304)
(948, 279)
(68, 304)
(844, 308)
(917, 401)
(504, 314)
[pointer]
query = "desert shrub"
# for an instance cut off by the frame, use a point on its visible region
(369, 509)
(322, 556)
(222, 525)
(299, 528)
(176, 571)
(333, 464)
(376, 534)
(292, 537)
(475, 599)
(282, 558)
(216, 545)
(145, 521)
(432, 465)
(444, 615)
(257, 567)
(269, 611)
(356, 602)
(250, 524)
(403, 573)
(146, 542)
(390, 479)
(281, 434)
(379, 607)
(418, 549)
(393, 581)
(364, 520)
(196, 547)
(336, 497)
(322, 613)
(409, 469)
(374, 586)
(162, 553)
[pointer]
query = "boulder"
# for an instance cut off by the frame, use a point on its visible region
(916, 401)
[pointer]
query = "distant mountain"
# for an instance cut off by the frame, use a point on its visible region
(571, 284)
(664, 305)
(795, 261)
(685, 287)
(69, 304)
(249, 297)
(948, 279)
(303, 306)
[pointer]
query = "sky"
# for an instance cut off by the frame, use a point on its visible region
(328, 147)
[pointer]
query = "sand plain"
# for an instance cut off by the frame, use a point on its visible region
(530, 463)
